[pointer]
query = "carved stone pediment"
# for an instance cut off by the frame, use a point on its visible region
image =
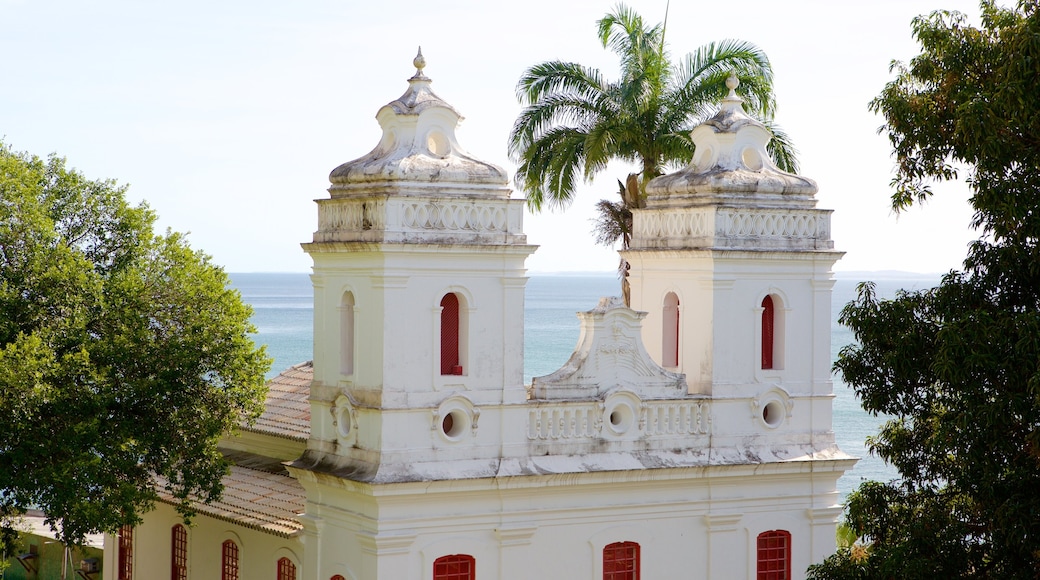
(610, 354)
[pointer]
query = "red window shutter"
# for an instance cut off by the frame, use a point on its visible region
(179, 553)
(229, 561)
(768, 317)
(455, 567)
(126, 553)
(774, 555)
(286, 569)
(621, 561)
(450, 335)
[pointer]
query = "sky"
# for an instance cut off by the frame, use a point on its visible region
(227, 116)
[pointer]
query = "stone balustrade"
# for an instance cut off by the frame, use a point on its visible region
(587, 420)
(389, 219)
(723, 227)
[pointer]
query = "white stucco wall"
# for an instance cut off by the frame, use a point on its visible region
(698, 523)
(258, 551)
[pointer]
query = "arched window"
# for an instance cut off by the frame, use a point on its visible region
(670, 331)
(451, 339)
(621, 561)
(286, 569)
(346, 334)
(179, 553)
(229, 561)
(337, 577)
(126, 553)
(768, 327)
(455, 567)
(774, 555)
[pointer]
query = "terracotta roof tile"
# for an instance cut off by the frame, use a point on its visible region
(261, 500)
(287, 411)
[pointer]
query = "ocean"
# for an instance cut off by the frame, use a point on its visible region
(284, 314)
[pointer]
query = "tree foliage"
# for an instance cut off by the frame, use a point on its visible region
(124, 355)
(957, 366)
(575, 121)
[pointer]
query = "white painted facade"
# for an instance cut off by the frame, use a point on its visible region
(411, 458)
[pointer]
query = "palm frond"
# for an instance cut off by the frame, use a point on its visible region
(700, 77)
(611, 138)
(575, 121)
(625, 34)
(644, 61)
(547, 170)
(782, 149)
(554, 77)
(675, 149)
(613, 222)
(554, 111)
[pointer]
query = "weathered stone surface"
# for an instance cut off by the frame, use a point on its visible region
(731, 165)
(418, 153)
(609, 355)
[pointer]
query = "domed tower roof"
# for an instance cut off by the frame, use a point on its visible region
(418, 153)
(730, 165)
(732, 195)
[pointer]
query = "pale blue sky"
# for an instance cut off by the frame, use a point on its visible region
(227, 116)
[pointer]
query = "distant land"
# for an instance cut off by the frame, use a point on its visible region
(887, 275)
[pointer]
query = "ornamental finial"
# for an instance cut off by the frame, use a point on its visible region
(419, 62)
(732, 82)
(732, 100)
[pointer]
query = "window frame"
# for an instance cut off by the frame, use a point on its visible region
(286, 569)
(451, 335)
(229, 560)
(773, 555)
(347, 332)
(622, 561)
(125, 553)
(768, 333)
(670, 317)
(178, 552)
(455, 567)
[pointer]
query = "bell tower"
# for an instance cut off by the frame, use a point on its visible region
(732, 259)
(418, 287)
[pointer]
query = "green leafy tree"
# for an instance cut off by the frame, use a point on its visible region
(124, 355)
(957, 366)
(575, 121)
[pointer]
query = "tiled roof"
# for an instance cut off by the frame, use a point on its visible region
(262, 500)
(287, 413)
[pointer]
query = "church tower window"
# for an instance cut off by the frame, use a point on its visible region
(346, 333)
(179, 553)
(229, 561)
(126, 553)
(451, 336)
(768, 330)
(455, 567)
(670, 331)
(621, 561)
(774, 555)
(286, 569)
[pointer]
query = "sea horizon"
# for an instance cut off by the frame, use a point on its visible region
(841, 274)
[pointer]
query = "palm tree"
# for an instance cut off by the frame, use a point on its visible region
(575, 121)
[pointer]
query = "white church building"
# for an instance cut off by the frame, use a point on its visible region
(689, 436)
